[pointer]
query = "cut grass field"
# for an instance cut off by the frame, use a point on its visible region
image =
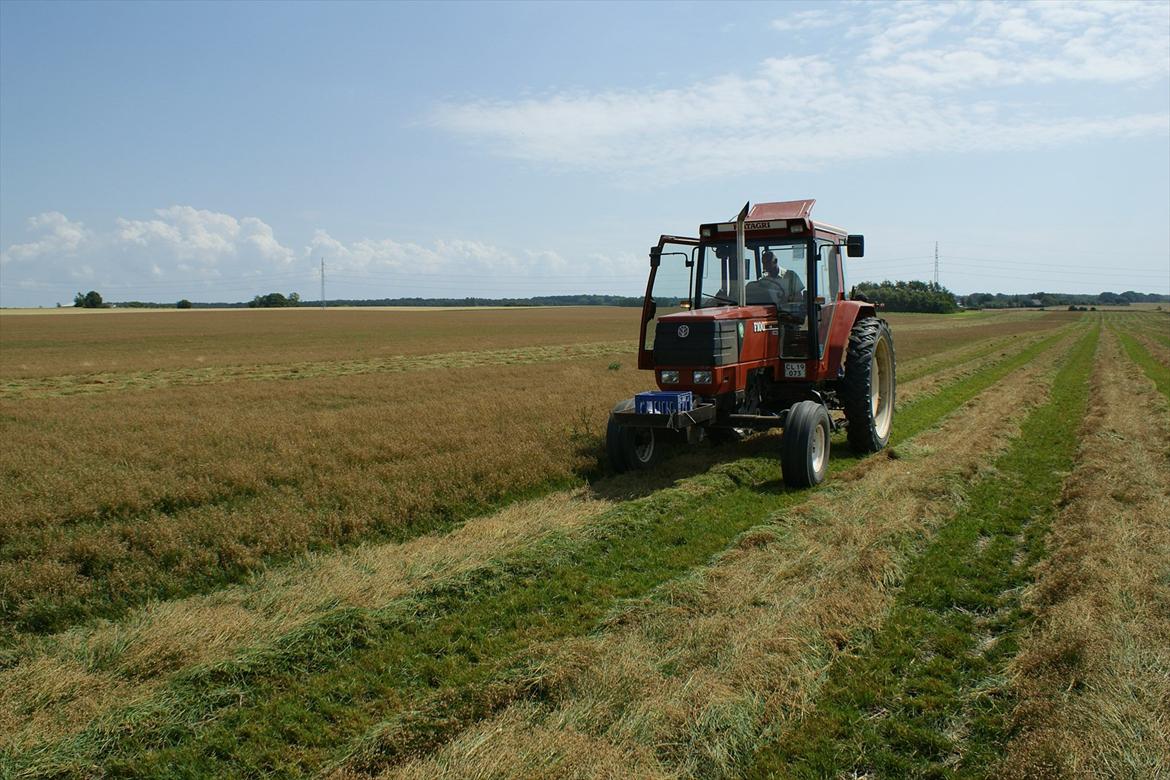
(384, 621)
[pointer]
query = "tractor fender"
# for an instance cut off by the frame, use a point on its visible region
(845, 316)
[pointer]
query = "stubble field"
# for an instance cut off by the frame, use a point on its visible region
(385, 543)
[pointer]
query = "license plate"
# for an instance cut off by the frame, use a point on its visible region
(794, 371)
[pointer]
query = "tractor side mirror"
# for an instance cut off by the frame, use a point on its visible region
(855, 246)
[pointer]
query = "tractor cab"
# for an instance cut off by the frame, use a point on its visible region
(786, 283)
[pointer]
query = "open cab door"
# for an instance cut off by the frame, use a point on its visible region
(669, 289)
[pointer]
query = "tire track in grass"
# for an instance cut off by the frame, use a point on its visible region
(927, 696)
(1092, 678)
(327, 681)
(681, 683)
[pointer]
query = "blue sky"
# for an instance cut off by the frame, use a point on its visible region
(216, 151)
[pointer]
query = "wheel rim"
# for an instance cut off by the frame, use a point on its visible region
(882, 388)
(818, 448)
(644, 444)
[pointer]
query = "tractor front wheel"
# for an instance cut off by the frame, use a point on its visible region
(642, 448)
(869, 388)
(804, 456)
(636, 449)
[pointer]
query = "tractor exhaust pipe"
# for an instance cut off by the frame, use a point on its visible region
(741, 253)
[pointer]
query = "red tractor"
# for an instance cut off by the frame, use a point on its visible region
(748, 328)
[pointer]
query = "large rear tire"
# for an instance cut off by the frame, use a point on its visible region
(869, 389)
(804, 454)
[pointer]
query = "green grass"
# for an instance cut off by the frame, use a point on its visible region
(296, 706)
(926, 697)
(1158, 373)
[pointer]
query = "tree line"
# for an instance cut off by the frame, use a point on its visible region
(908, 296)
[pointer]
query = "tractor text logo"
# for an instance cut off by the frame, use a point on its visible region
(683, 331)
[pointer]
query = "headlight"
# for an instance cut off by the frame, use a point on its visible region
(702, 377)
(668, 377)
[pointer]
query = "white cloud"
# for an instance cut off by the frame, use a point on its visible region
(204, 237)
(908, 88)
(180, 247)
(205, 255)
(60, 236)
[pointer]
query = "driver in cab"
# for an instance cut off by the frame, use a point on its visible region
(775, 287)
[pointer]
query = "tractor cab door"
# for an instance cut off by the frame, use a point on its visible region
(826, 290)
(669, 289)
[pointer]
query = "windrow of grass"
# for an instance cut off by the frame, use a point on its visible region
(113, 504)
(1092, 678)
(149, 341)
(928, 696)
(340, 675)
(107, 506)
(1158, 372)
(91, 383)
(91, 670)
(963, 355)
(681, 682)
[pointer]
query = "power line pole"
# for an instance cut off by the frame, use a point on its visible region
(322, 282)
(936, 264)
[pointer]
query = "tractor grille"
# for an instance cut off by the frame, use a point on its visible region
(708, 343)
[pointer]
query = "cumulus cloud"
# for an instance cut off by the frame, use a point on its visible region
(182, 251)
(203, 237)
(58, 236)
(179, 246)
(914, 77)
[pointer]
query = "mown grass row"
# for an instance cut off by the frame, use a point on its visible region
(927, 697)
(113, 505)
(338, 677)
(1158, 373)
(110, 506)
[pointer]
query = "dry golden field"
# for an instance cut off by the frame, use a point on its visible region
(369, 543)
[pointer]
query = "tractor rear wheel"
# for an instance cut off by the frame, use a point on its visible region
(804, 455)
(869, 388)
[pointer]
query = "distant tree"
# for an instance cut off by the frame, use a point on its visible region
(183, 304)
(274, 301)
(909, 296)
(89, 300)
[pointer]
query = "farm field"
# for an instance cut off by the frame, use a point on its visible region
(385, 544)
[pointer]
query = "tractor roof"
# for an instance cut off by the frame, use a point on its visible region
(779, 219)
(785, 209)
